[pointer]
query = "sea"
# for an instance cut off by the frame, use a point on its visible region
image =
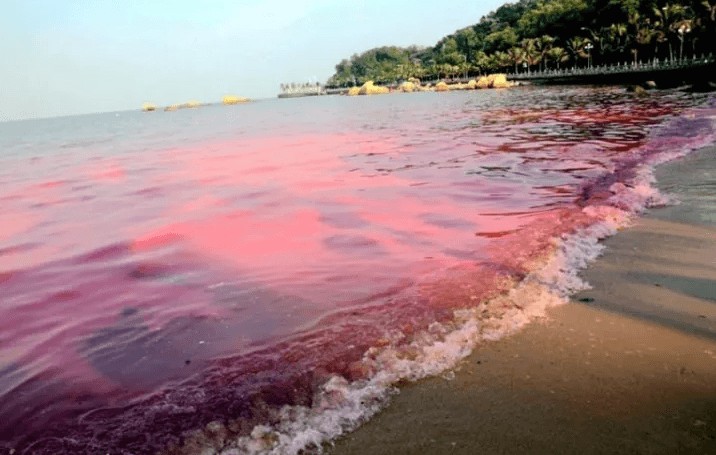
(261, 278)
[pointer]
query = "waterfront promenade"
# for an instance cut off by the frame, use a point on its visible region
(670, 72)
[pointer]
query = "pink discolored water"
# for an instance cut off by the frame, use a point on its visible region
(163, 271)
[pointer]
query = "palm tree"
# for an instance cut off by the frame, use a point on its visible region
(500, 60)
(618, 37)
(464, 68)
(683, 28)
(667, 17)
(517, 56)
(598, 38)
(532, 54)
(480, 62)
(543, 44)
(578, 47)
(644, 36)
(417, 70)
(558, 55)
(643, 32)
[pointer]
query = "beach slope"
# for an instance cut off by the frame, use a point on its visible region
(626, 367)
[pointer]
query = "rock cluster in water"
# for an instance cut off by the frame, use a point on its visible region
(227, 100)
(231, 99)
(414, 85)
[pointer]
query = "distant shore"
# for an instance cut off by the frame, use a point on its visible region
(698, 73)
(626, 367)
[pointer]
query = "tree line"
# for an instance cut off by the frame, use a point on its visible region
(533, 35)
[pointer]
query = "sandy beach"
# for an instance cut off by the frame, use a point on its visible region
(626, 367)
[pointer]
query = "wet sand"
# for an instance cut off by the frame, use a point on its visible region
(626, 367)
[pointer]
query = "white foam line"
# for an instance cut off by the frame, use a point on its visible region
(342, 406)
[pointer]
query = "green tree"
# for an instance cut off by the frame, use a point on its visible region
(667, 17)
(500, 61)
(558, 55)
(644, 35)
(543, 44)
(554, 17)
(481, 62)
(578, 47)
(501, 40)
(517, 56)
(531, 52)
(618, 38)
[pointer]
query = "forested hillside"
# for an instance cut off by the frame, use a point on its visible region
(537, 34)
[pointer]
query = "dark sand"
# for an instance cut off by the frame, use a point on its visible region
(627, 367)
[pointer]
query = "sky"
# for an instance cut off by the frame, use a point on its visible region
(65, 57)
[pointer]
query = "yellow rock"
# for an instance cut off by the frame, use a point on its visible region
(408, 87)
(483, 82)
(472, 84)
(441, 87)
(369, 89)
(231, 99)
(500, 81)
(353, 91)
(414, 80)
(149, 107)
(172, 107)
(191, 104)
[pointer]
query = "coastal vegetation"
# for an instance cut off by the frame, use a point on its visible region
(531, 35)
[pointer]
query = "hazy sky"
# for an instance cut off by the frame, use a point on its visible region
(76, 56)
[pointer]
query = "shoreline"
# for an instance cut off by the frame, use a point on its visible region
(626, 367)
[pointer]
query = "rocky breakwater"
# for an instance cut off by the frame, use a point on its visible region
(414, 85)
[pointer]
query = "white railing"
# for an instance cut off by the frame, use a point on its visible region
(653, 65)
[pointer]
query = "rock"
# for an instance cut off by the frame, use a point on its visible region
(407, 87)
(188, 105)
(231, 99)
(637, 90)
(441, 87)
(353, 91)
(483, 82)
(499, 81)
(369, 89)
(149, 107)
